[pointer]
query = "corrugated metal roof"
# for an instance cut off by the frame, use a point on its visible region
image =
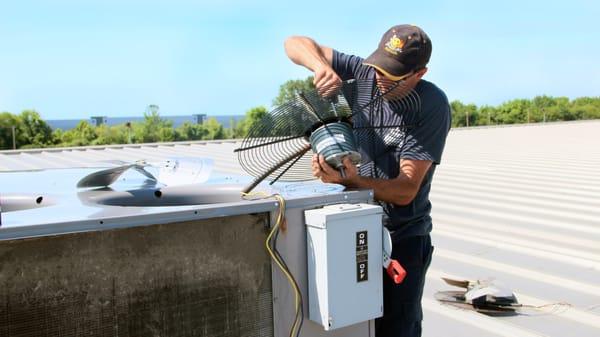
(98, 156)
(519, 203)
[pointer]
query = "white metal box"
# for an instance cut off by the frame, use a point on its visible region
(344, 253)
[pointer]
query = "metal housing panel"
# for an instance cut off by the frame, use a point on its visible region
(180, 279)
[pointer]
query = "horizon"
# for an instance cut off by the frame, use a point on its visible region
(209, 115)
(72, 60)
(67, 124)
(137, 116)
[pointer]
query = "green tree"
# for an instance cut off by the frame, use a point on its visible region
(117, 134)
(463, 115)
(36, 131)
(560, 110)
(7, 122)
(486, 115)
(288, 90)
(514, 111)
(82, 135)
(540, 105)
(152, 129)
(166, 134)
(57, 137)
(586, 107)
(189, 131)
(253, 117)
(214, 129)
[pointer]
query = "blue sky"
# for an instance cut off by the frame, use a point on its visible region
(74, 59)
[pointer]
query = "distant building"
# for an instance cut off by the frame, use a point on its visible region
(199, 118)
(99, 120)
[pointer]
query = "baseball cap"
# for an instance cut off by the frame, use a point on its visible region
(402, 49)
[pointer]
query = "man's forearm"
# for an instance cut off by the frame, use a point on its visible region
(306, 52)
(399, 191)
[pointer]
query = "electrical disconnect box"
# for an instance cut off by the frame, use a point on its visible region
(344, 250)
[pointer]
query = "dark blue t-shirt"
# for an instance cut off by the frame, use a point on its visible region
(422, 137)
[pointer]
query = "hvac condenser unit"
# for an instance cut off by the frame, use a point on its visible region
(344, 252)
(139, 259)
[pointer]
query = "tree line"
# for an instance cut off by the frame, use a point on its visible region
(536, 110)
(29, 130)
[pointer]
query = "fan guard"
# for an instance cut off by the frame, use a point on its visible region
(278, 147)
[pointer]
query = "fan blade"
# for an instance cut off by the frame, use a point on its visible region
(456, 283)
(141, 169)
(103, 177)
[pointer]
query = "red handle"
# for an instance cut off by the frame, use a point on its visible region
(396, 272)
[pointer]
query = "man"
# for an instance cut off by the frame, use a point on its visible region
(401, 179)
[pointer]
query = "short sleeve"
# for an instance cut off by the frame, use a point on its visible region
(426, 140)
(346, 66)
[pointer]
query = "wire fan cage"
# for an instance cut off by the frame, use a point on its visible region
(278, 146)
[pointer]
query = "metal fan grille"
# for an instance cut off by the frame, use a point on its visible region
(277, 148)
(282, 136)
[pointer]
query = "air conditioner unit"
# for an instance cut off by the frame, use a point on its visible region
(94, 262)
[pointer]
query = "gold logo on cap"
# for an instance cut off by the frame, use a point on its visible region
(394, 45)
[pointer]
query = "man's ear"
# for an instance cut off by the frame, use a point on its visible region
(421, 72)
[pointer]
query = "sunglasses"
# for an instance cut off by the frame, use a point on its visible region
(403, 78)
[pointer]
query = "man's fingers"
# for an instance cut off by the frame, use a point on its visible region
(325, 167)
(329, 92)
(349, 166)
(319, 77)
(327, 82)
(316, 168)
(329, 87)
(324, 86)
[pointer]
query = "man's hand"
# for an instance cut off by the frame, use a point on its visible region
(328, 174)
(399, 191)
(327, 81)
(306, 52)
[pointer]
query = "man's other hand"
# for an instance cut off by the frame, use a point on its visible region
(328, 174)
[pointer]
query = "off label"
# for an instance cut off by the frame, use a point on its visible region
(362, 256)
